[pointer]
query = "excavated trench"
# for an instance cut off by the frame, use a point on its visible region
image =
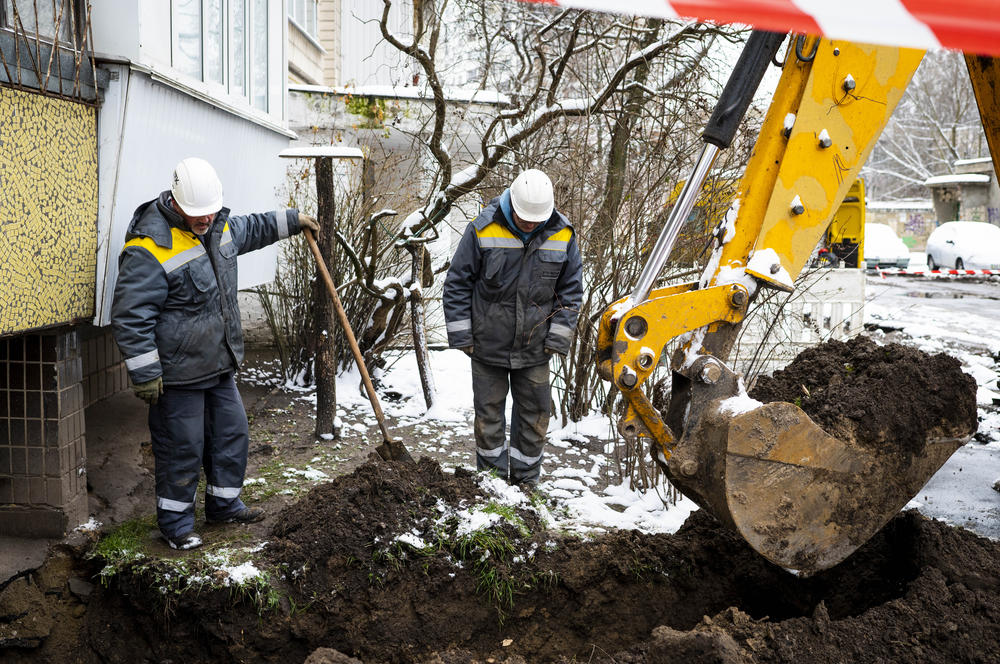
(619, 597)
(375, 567)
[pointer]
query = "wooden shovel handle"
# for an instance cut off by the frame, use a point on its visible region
(348, 332)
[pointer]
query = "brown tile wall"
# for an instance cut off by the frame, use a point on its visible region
(43, 473)
(104, 371)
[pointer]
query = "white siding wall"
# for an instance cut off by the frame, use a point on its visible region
(365, 58)
(145, 128)
(116, 28)
(154, 32)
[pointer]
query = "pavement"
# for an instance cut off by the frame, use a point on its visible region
(961, 492)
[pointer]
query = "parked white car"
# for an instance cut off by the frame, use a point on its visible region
(964, 245)
(883, 248)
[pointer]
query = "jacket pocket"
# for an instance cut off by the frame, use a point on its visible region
(493, 268)
(548, 267)
(550, 264)
(228, 251)
(200, 280)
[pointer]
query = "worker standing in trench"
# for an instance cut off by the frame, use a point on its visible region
(177, 323)
(511, 300)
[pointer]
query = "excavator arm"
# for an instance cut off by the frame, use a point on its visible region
(800, 497)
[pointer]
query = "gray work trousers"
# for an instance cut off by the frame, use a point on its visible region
(522, 460)
(191, 428)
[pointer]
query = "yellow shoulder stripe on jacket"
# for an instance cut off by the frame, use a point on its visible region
(495, 230)
(563, 236)
(498, 236)
(558, 241)
(186, 247)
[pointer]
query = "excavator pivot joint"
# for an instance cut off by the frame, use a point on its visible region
(738, 297)
(636, 327)
(689, 468)
(627, 379)
(711, 373)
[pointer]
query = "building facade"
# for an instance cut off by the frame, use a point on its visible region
(98, 102)
(970, 193)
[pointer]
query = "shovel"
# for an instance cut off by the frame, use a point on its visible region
(391, 449)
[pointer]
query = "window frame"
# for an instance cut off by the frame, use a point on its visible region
(75, 42)
(229, 54)
(302, 22)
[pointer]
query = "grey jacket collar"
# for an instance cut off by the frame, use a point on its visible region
(154, 218)
(493, 213)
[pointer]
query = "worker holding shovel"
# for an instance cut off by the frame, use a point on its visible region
(177, 323)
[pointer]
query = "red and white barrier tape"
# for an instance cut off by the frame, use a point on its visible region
(924, 273)
(966, 25)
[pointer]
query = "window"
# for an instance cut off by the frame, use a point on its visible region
(215, 54)
(305, 14)
(187, 25)
(46, 32)
(258, 54)
(238, 38)
(46, 17)
(225, 43)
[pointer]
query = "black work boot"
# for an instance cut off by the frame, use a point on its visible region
(245, 515)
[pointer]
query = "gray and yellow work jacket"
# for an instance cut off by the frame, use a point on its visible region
(512, 301)
(175, 312)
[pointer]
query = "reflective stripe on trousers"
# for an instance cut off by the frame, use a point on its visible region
(191, 429)
(532, 398)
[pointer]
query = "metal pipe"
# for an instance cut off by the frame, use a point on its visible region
(668, 236)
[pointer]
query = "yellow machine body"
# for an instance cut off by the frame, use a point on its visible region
(845, 237)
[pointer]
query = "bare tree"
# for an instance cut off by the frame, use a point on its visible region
(936, 122)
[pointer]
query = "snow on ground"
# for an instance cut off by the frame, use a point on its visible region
(569, 471)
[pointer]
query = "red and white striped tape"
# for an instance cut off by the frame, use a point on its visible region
(924, 273)
(966, 25)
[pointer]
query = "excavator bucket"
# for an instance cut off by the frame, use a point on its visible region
(800, 497)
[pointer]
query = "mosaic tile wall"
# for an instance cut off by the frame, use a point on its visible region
(48, 210)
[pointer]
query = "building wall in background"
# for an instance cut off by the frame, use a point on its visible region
(305, 56)
(48, 210)
(330, 36)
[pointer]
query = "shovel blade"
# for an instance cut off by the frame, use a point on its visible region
(393, 450)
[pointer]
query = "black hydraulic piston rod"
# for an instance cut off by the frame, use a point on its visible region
(743, 82)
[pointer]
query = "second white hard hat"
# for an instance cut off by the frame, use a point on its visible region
(196, 187)
(531, 196)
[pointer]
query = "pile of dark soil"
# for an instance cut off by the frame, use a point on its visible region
(919, 591)
(876, 395)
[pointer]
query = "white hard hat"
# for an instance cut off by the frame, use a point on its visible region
(531, 196)
(196, 187)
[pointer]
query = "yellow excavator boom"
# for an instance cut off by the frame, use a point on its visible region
(800, 497)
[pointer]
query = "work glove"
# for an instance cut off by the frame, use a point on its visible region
(149, 391)
(552, 351)
(467, 350)
(305, 221)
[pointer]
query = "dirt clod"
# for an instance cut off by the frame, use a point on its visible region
(891, 395)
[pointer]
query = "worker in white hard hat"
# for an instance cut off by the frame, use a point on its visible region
(511, 300)
(177, 323)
